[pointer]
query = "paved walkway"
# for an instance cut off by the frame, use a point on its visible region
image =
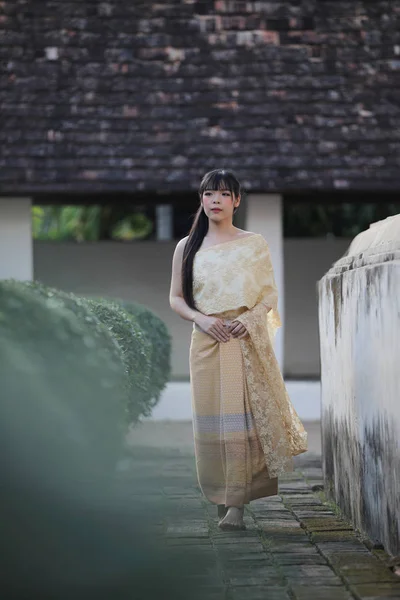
(296, 545)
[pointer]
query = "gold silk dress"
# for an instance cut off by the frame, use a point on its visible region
(246, 430)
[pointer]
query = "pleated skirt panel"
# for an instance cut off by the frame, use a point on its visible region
(230, 461)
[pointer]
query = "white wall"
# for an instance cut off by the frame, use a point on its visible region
(306, 260)
(175, 402)
(141, 272)
(264, 215)
(16, 256)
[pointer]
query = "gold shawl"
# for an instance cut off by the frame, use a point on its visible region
(238, 276)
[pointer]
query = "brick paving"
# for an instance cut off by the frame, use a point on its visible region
(296, 546)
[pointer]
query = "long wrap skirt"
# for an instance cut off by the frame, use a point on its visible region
(230, 462)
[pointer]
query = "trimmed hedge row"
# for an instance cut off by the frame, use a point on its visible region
(156, 331)
(57, 375)
(136, 354)
(124, 332)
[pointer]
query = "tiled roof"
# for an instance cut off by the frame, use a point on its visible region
(144, 96)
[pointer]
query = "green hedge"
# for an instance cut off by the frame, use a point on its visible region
(130, 333)
(136, 353)
(100, 335)
(160, 338)
(68, 522)
(79, 306)
(57, 376)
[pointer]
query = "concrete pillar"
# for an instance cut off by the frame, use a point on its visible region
(164, 222)
(264, 214)
(16, 251)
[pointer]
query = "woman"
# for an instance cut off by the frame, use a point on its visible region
(246, 430)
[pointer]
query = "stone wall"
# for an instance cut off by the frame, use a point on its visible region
(359, 319)
(146, 96)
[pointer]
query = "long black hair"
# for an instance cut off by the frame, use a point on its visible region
(218, 179)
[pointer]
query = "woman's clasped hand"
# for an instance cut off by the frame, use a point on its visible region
(237, 330)
(221, 331)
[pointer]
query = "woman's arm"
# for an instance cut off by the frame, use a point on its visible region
(210, 325)
(176, 299)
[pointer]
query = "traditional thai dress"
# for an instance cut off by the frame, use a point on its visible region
(246, 430)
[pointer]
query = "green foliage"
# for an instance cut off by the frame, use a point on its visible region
(89, 223)
(101, 335)
(80, 308)
(135, 226)
(68, 525)
(56, 385)
(136, 353)
(64, 223)
(313, 219)
(131, 336)
(157, 332)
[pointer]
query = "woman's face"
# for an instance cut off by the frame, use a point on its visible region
(219, 204)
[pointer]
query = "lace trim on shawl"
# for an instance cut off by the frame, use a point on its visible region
(282, 434)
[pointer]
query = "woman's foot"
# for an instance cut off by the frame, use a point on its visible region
(222, 510)
(233, 519)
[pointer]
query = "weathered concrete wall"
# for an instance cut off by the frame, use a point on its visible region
(359, 319)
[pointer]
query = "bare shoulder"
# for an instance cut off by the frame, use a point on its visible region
(180, 246)
(182, 242)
